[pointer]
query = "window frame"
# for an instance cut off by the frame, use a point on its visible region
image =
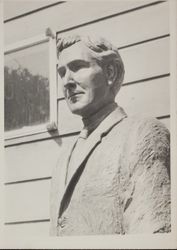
(51, 125)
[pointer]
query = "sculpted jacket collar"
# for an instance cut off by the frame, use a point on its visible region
(92, 141)
(92, 122)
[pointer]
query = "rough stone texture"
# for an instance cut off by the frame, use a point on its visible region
(122, 182)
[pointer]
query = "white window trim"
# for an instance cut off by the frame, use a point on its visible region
(27, 43)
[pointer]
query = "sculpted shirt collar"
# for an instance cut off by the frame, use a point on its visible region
(92, 122)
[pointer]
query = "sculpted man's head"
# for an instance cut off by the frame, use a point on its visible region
(91, 72)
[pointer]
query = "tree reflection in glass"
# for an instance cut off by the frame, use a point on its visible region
(26, 75)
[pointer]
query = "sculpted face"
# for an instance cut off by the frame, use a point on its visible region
(84, 81)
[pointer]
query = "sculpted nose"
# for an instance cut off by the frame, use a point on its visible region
(70, 85)
(68, 80)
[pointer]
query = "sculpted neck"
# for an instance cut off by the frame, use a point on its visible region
(91, 122)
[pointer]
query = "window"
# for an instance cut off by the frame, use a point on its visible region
(30, 86)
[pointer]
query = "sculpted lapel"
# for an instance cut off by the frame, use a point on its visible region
(61, 171)
(58, 186)
(92, 141)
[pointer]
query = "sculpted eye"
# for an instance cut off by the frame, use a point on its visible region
(76, 67)
(61, 72)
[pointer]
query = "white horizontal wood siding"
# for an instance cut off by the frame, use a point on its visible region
(68, 15)
(35, 159)
(35, 228)
(14, 9)
(27, 201)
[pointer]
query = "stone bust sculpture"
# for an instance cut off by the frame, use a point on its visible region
(115, 178)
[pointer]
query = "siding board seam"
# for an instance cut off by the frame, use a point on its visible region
(40, 139)
(163, 117)
(146, 79)
(143, 41)
(133, 82)
(33, 11)
(109, 16)
(86, 23)
(26, 222)
(28, 180)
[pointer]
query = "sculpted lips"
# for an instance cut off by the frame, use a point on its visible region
(74, 95)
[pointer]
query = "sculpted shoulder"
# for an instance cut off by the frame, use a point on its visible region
(145, 141)
(147, 160)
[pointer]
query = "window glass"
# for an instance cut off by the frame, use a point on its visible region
(26, 74)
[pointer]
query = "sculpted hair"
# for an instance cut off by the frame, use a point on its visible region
(104, 52)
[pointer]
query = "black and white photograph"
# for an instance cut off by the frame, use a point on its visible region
(89, 124)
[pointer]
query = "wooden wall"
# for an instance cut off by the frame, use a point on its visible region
(140, 29)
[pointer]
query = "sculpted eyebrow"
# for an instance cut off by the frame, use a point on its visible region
(74, 62)
(79, 61)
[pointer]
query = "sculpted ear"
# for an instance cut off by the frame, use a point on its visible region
(111, 73)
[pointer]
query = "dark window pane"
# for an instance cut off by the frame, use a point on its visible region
(26, 76)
